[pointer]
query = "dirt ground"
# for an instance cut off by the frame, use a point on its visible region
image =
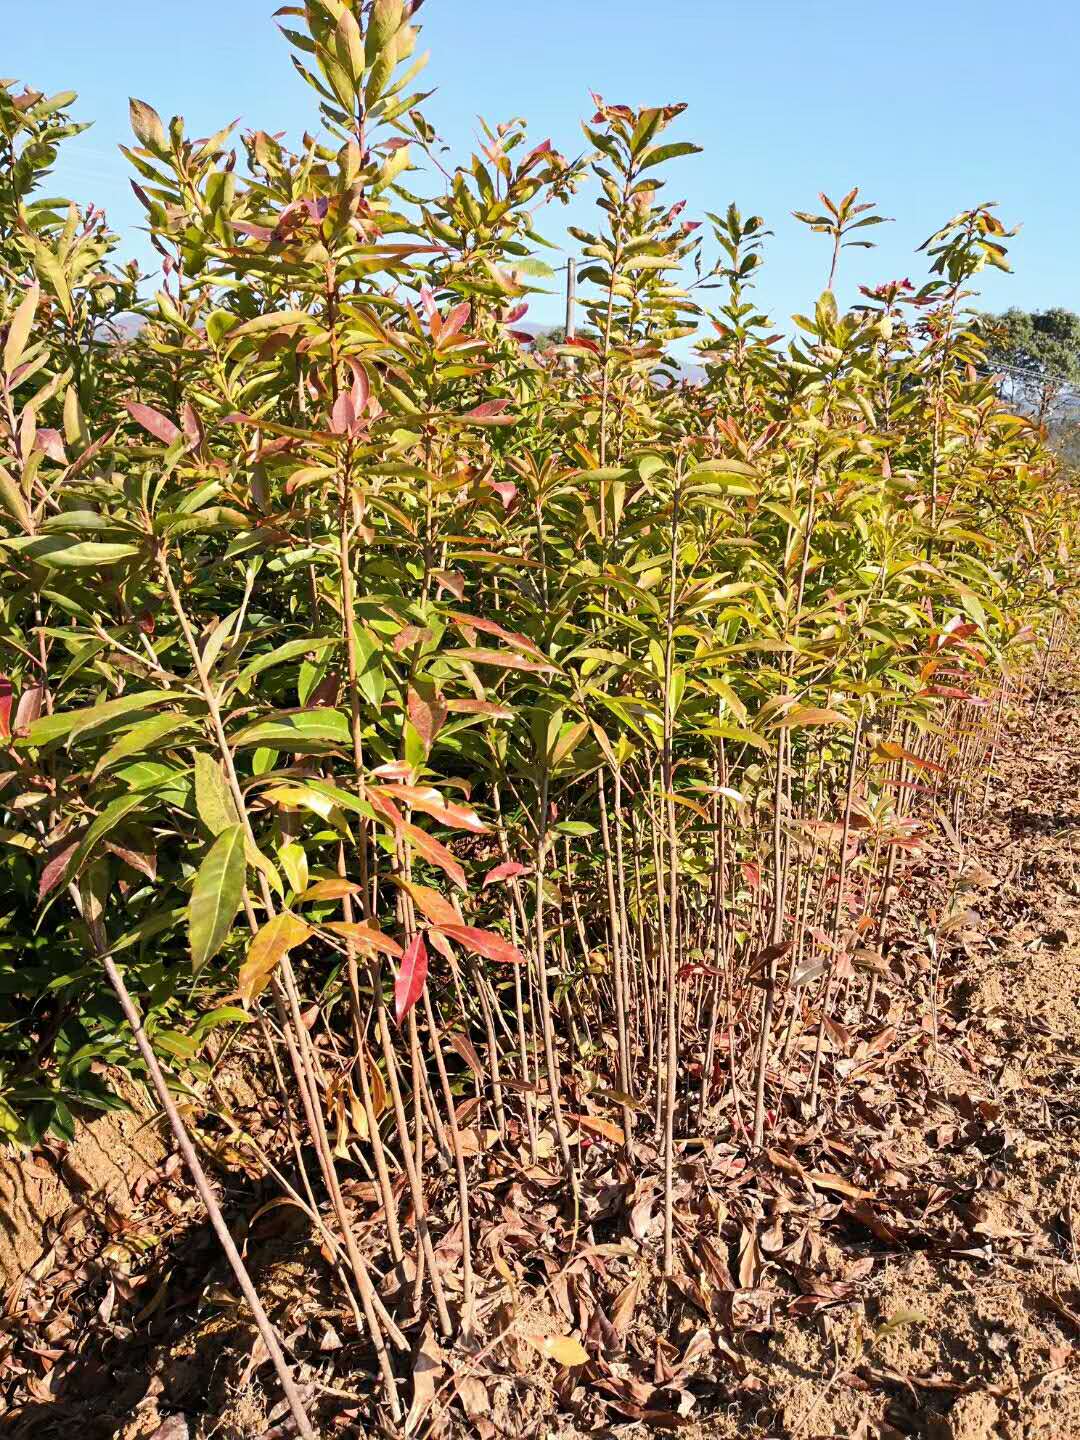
(992, 1347)
(109, 1155)
(932, 1293)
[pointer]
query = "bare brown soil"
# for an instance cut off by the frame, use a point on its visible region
(110, 1153)
(907, 1266)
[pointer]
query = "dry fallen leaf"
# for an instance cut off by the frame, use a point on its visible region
(601, 1127)
(622, 1312)
(427, 1371)
(563, 1349)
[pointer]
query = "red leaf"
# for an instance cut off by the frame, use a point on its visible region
(54, 869)
(51, 443)
(260, 232)
(361, 386)
(410, 635)
(146, 864)
(451, 581)
(386, 808)
(427, 300)
(152, 421)
(412, 973)
(487, 409)
(506, 871)
(544, 148)
(343, 415)
(427, 715)
(454, 321)
(192, 425)
(951, 692)
(29, 708)
(5, 707)
(685, 971)
(581, 342)
(959, 632)
(466, 622)
(506, 492)
(484, 942)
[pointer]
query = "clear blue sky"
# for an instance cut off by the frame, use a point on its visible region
(928, 107)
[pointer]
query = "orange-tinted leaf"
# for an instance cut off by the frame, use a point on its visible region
(886, 750)
(428, 800)
(427, 715)
(435, 907)
(435, 853)
(563, 1349)
(596, 1126)
(501, 659)
(480, 707)
(802, 715)
(467, 1050)
(363, 935)
(381, 802)
(335, 889)
(450, 580)
(269, 946)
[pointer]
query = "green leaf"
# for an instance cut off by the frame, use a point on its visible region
(299, 732)
(371, 678)
(293, 860)
(272, 320)
(108, 820)
(62, 552)
(19, 329)
(291, 650)
(383, 24)
(660, 154)
(55, 727)
(223, 1015)
(14, 502)
(213, 798)
(146, 735)
(216, 895)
